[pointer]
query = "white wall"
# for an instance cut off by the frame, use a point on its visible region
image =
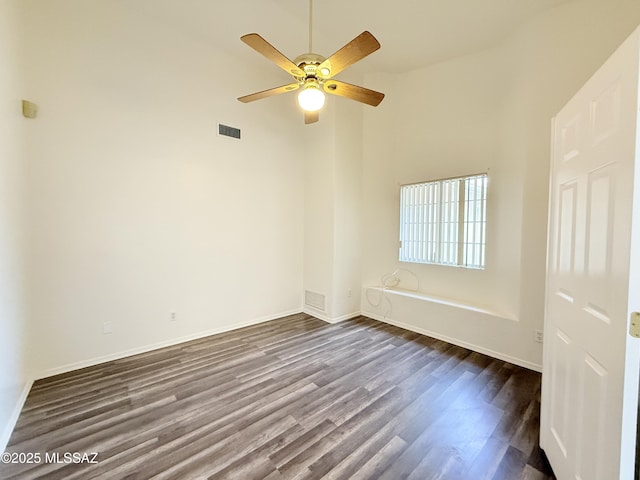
(333, 209)
(13, 378)
(319, 202)
(485, 112)
(136, 207)
(347, 211)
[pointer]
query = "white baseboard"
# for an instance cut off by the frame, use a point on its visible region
(347, 316)
(325, 318)
(461, 343)
(167, 343)
(13, 419)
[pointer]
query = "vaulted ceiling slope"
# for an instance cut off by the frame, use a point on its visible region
(413, 33)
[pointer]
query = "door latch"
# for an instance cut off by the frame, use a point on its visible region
(634, 329)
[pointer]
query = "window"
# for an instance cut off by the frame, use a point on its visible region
(444, 221)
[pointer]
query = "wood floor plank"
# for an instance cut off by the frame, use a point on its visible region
(293, 398)
(512, 464)
(530, 473)
(301, 443)
(378, 463)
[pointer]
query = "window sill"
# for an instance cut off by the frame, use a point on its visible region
(445, 301)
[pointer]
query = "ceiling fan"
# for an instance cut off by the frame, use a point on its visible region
(314, 74)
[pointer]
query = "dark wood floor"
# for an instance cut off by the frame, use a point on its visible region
(294, 398)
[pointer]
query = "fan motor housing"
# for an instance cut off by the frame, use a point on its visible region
(308, 62)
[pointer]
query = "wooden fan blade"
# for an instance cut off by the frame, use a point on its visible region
(358, 48)
(311, 117)
(354, 92)
(263, 47)
(268, 93)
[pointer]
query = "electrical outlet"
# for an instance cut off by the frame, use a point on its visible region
(174, 316)
(538, 335)
(349, 294)
(107, 328)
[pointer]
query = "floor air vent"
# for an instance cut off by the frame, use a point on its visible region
(228, 131)
(315, 300)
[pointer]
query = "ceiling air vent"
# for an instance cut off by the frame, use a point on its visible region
(227, 131)
(313, 299)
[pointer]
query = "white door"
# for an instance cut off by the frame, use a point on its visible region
(590, 364)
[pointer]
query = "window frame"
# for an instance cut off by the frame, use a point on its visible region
(430, 228)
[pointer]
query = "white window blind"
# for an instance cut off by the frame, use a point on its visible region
(444, 221)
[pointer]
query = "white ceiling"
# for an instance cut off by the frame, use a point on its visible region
(413, 33)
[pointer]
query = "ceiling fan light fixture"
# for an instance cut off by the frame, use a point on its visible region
(311, 99)
(313, 73)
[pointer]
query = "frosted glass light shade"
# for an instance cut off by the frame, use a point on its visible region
(311, 99)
